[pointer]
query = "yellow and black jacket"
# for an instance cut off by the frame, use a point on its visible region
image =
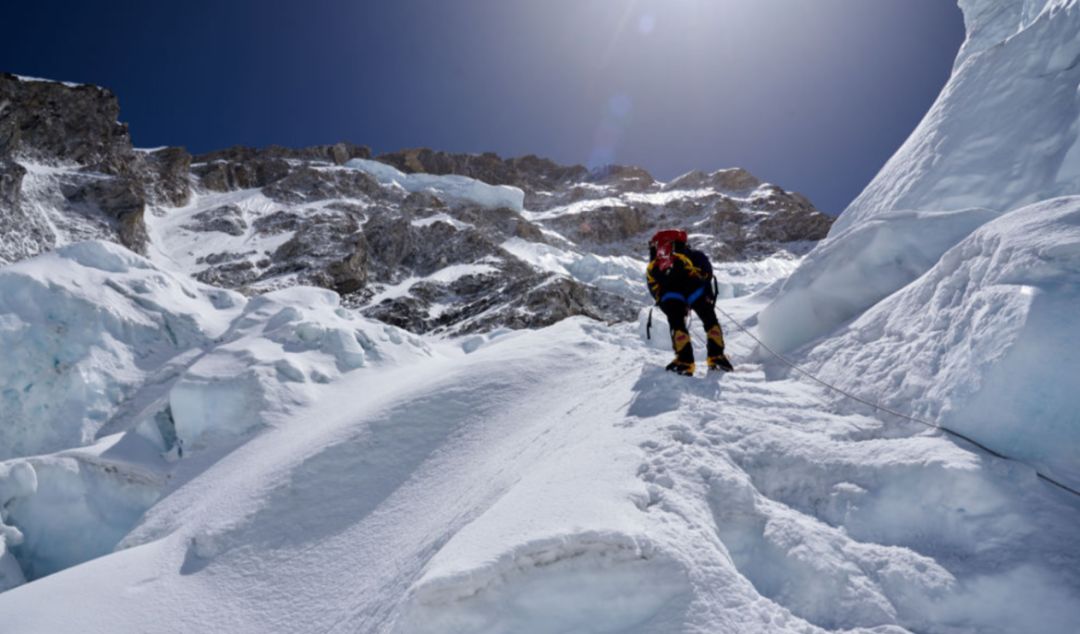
(689, 277)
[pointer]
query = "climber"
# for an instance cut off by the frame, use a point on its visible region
(681, 279)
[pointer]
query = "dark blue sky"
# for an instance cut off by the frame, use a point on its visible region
(811, 94)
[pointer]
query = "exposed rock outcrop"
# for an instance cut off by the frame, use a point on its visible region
(47, 121)
(170, 171)
(87, 161)
(530, 173)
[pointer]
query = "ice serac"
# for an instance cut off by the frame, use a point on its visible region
(83, 329)
(945, 290)
(281, 346)
(115, 368)
(985, 342)
(1002, 134)
(850, 272)
(449, 186)
(1004, 131)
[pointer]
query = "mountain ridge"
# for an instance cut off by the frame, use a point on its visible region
(261, 219)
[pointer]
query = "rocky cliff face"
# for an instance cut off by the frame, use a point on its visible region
(418, 238)
(68, 170)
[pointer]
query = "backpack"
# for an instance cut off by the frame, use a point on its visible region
(701, 261)
(663, 246)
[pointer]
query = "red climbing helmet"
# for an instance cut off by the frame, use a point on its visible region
(662, 246)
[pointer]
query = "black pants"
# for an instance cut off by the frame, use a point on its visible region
(676, 311)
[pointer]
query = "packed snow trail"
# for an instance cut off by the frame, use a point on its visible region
(558, 480)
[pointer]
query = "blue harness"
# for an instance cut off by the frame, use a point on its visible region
(696, 295)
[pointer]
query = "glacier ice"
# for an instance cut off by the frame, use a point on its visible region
(17, 480)
(985, 342)
(80, 509)
(853, 270)
(450, 187)
(115, 367)
(1005, 131)
(83, 328)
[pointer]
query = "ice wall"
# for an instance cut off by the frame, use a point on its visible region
(1003, 133)
(851, 272)
(946, 289)
(986, 342)
(82, 328)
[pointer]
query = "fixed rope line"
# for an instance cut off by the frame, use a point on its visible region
(882, 408)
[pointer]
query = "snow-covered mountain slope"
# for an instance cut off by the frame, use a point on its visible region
(558, 480)
(284, 462)
(1005, 131)
(414, 238)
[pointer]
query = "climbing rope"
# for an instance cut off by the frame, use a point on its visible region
(882, 408)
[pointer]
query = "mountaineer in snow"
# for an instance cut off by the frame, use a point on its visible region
(681, 278)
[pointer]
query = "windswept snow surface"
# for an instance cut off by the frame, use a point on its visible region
(559, 481)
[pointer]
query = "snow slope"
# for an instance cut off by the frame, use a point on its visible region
(506, 485)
